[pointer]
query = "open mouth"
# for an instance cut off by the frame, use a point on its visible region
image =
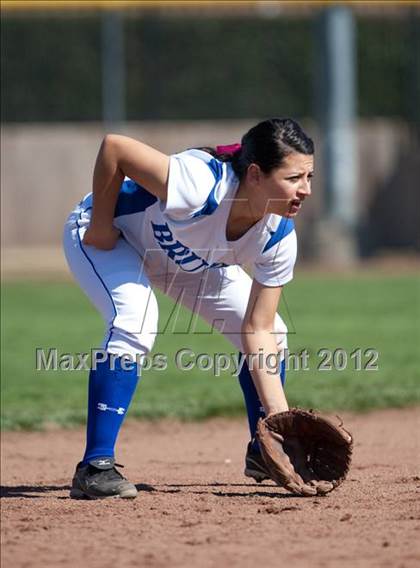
(294, 207)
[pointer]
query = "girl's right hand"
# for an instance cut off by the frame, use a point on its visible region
(103, 239)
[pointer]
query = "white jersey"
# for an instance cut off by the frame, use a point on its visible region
(188, 231)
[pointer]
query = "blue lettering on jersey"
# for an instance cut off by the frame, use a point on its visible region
(184, 257)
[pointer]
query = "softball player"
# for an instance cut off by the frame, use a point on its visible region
(186, 224)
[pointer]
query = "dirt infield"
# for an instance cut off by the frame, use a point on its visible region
(195, 508)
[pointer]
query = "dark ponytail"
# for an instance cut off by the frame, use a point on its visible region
(266, 144)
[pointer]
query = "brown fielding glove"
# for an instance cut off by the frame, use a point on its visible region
(305, 452)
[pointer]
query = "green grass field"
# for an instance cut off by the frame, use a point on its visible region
(367, 312)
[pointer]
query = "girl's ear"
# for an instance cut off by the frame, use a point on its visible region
(254, 173)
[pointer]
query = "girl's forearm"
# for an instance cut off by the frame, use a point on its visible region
(107, 180)
(267, 384)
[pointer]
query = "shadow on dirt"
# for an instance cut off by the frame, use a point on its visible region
(27, 490)
(179, 487)
(39, 491)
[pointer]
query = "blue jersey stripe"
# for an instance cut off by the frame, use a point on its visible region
(133, 198)
(285, 227)
(211, 204)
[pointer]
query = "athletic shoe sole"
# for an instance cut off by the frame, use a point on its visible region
(79, 494)
(128, 493)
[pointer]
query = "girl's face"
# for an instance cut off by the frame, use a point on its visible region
(285, 188)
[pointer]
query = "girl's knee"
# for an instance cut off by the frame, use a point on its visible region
(133, 330)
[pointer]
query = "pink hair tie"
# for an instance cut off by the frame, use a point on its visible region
(228, 148)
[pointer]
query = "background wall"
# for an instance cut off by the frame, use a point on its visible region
(46, 169)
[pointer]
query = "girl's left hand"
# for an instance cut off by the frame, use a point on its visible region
(103, 239)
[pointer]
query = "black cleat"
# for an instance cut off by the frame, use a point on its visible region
(99, 479)
(254, 465)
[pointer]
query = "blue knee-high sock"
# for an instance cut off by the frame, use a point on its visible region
(253, 404)
(111, 389)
